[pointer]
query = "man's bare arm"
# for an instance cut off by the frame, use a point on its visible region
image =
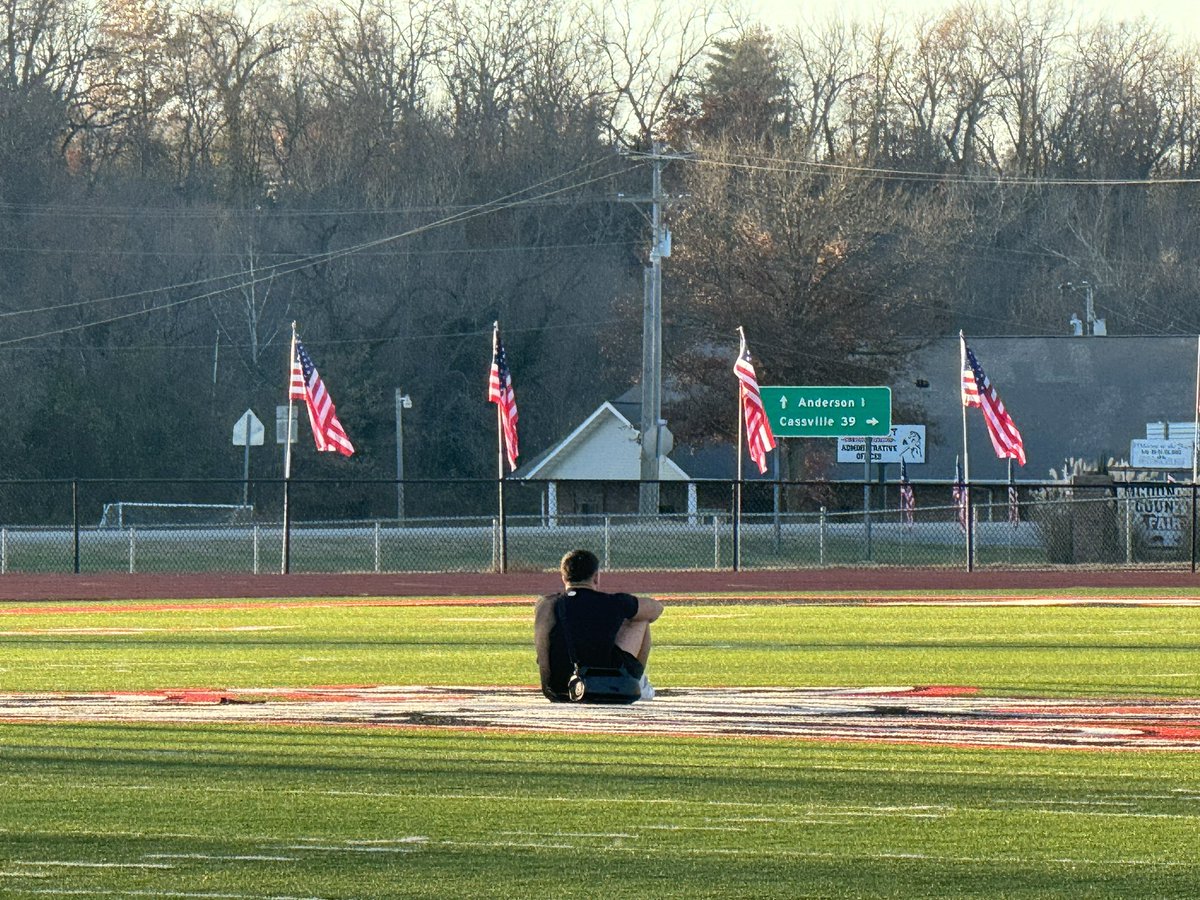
(648, 610)
(543, 621)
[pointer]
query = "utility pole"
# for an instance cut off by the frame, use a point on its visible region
(651, 420)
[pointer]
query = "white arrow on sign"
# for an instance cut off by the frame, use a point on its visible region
(872, 421)
(782, 402)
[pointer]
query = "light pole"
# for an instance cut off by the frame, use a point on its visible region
(403, 402)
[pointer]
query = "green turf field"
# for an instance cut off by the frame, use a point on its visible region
(257, 812)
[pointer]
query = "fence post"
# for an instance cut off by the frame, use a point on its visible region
(131, 545)
(75, 520)
(495, 545)
(867, 496)
(607, 542)
(973, 542)
(255, 539)
(287, 528)
(970, 523)
(716, 541)
(3, 550)
(376, 548)
(821, 537)
(502, 567)
(737, 522)
(1193, 527)
(1129, 531)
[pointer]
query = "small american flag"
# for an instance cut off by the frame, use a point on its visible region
(759, 437)
(306, 385)
(978, 391)
(500, 392)
(907, 501)
(959, 493)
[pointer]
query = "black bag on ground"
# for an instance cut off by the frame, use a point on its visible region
(596, 684)
(592, 684)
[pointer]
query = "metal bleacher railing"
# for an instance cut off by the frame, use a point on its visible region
(177, 526)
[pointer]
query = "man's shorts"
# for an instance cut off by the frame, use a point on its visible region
(623, 659)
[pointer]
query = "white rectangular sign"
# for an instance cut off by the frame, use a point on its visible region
(906, 442)
(1160, 454)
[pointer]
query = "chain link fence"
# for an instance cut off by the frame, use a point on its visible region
(181, 526)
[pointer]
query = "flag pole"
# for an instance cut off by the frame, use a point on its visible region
(966, 473)
(1012, 491)
(1196, 412)
(737, 488)
(285, 564)
(500, 462)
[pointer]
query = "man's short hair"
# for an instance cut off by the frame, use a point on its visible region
(579, 566)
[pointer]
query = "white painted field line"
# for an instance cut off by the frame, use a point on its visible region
(199, 895)
(1042, 802)
(570, 834)
(970, 771)
(880, 814)
(111, 631)
(1115, 815)
(843, 855)
(801, 810)
(1172, 674)
(82, 864)
(220, 857)
(526, 845)
(344, 848)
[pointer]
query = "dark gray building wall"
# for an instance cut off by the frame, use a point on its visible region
(1080, 397)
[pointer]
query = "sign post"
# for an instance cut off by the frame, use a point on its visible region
(817, 411)
(247, 431)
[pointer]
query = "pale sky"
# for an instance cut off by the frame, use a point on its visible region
(1179, 17)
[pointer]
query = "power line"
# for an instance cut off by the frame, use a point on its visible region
(782, 165)
(269, 273)
(274, 213)
(590, 325)
(292, 256)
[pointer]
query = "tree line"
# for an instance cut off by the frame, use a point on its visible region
(181, 181)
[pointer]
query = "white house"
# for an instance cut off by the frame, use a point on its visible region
(605, 447)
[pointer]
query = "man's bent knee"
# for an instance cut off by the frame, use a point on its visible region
(634, 639)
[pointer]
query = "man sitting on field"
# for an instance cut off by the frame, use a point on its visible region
(608, 630)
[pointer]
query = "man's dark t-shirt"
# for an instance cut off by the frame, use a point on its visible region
(594, 618)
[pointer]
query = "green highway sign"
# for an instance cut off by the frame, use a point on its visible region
(828, 411)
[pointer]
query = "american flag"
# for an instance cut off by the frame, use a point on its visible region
(977, 390)
(907, 502)
(959, 493)
(500, 392)
(759, 438)
(306, 385)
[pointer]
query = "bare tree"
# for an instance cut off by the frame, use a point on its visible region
(1022, 44)
(223, 91)
(1114, 120)
(650, 63)
(824, 65)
